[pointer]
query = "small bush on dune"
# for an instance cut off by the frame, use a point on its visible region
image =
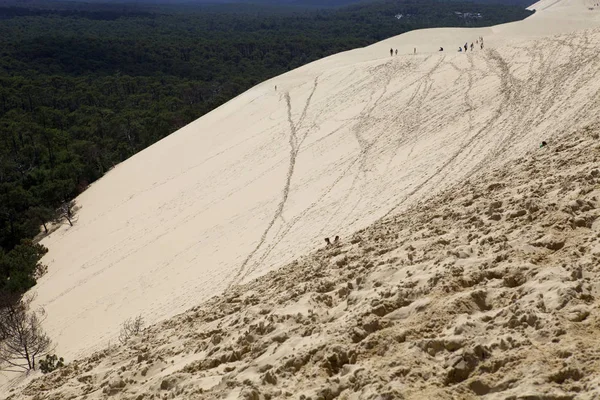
(51, 363)
(131, 327)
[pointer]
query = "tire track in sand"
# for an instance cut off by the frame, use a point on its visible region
(507, 93)
(295, 144)
(364, 145)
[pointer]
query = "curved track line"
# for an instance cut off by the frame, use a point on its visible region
(295, 144)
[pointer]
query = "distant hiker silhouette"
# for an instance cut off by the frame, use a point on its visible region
(391, 52)
(327, 242)
(471, 46)
(466, 47)
(415, 50)
(336, 240)
(544, 144)
(481, 45)
(460, 49)
(441, 49)
(275, 87)
(396, 51)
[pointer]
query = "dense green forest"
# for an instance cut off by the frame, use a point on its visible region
(85, 86)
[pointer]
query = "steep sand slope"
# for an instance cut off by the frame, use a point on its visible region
(488, 289)
(341, 143)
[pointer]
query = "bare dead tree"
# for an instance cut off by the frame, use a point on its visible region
(131, 327)
(23, 340)
(66, 211)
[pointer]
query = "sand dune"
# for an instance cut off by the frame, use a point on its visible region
(341, 143)
(488, 289)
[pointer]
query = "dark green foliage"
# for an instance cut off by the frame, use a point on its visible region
(20, 266)
(85, 86)
(50, 363)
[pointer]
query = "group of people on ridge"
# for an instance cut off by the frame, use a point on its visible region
(479, 42)
(392, 51)
(466, 46)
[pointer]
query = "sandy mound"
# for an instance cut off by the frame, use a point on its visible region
(490, 288)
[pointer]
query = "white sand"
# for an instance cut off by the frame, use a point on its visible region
(342, 142)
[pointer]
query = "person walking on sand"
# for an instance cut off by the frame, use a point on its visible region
(466, 47)
(396, 51)
(415, 50)
(391, 52)
(481, 45)
(471, 46)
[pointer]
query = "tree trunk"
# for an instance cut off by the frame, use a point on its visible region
(49, 146)
(27, 355)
